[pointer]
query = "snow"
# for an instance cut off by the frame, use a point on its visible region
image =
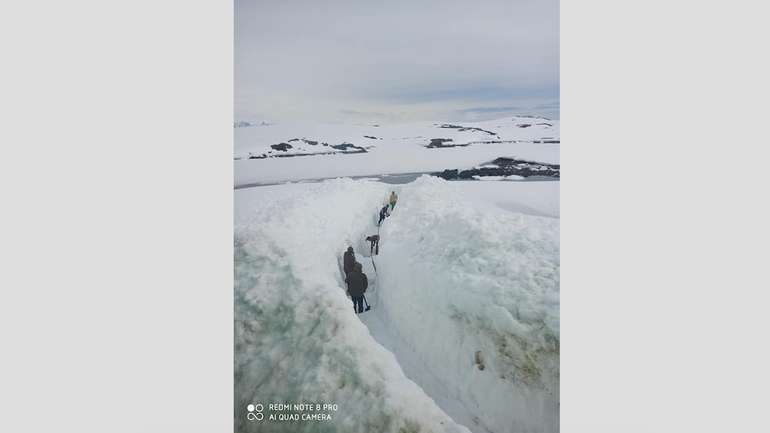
(297, 339)
(532, 198)
(398, 148)
(463, 335)
(454, 279)
(509, 177)
(463, 267)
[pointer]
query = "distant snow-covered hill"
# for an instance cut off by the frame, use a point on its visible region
(296, 151)
(245, 124)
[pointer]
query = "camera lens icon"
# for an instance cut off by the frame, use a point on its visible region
(255, 412)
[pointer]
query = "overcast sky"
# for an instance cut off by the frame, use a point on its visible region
(395, 60)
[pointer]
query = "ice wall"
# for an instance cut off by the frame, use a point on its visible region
(457, 278)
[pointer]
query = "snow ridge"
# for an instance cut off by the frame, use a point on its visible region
(458, 279)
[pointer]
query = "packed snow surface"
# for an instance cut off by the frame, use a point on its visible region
(464, 330)
(531, 198)
(363, 150)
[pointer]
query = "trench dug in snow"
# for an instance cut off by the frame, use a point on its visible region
(487, 399)
(378, 320)
(462, 270)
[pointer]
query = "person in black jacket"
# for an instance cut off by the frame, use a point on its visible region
(348, 260)
(383, 213)
(375, 247)
(357, 284)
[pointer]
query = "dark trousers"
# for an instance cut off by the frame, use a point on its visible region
(375, 249)
(358, 304)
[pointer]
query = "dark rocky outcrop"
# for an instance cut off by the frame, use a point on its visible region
(447, 174)
(442, 142)
(347, 146)
(304, 140)
(283, 147)
(527, 116)
(503, 167)
(466, 128)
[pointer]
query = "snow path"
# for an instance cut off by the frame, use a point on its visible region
(448, 392)
(379, 326)
(378, 322)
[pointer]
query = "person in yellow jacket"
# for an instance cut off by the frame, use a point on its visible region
(393, 199)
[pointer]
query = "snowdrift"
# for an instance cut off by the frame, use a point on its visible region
(472, 294)
(296, 337)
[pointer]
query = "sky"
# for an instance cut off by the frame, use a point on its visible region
(395, 60)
